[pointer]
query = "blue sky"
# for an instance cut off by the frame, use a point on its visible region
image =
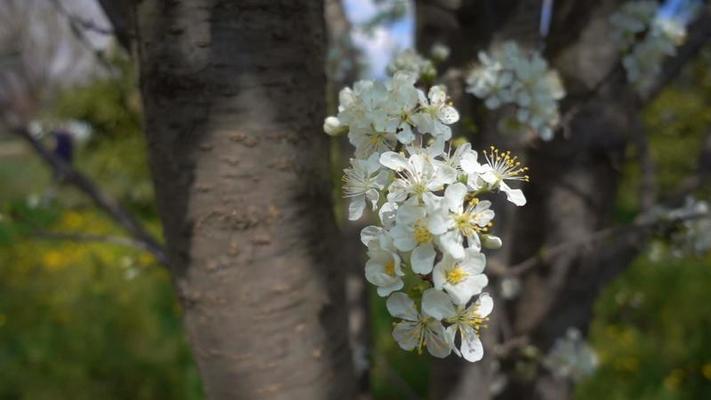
(379, 45)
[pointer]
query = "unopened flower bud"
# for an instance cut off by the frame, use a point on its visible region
(332, 126)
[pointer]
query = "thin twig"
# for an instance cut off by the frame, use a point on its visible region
(85, 24)
(111, 207)
(505, 348)
(644, 222)
(699, 36)
(78, 27)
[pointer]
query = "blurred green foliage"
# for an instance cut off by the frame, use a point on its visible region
(653, 325)
(653, 334)
(78, 319)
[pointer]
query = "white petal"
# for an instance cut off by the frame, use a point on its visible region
(448, 115)
(401, 306)
(384, 291)
(437, 95)
(474, 261)
(463, 291)
(469, 162)
(369, 233)
(394, 161)
(387, 214)
(422, 259)
(488, 175)
(408, 214)
(375, 274)
(438, 223)
(454, 196)
(451, 242)
(373, 196)
(439, 274)
(405, 136)
(437, 304)
(405, 334)
(436, 149)
(485, 305)
(474, 243)
(513, 195)
(452, 333)
(472, 348)
(403, 238)
(422, 98)
(437, 340)
(356, 207)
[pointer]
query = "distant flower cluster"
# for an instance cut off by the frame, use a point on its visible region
(425, 254)
(510, 75)
(571, 357)
(411, 61)
(645, 39)
(692, 233)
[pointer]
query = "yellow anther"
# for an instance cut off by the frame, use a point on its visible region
(456, 275)
(422, 234)
(390, 268)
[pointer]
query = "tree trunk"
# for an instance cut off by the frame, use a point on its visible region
(234, 102)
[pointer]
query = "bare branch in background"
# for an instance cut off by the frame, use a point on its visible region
(38, 59)
(645, 222)
(83, 23)
(110, 206)
(699, 36)
(79, 27)
(117, 11)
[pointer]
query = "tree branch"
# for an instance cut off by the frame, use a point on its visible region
(643, 223)
(117, 11)
(699, 35)
(85, 24)
(112, 208)
(78, 26)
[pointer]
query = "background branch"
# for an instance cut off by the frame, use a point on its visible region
(111, 207)
(699, 34)
(644, 223)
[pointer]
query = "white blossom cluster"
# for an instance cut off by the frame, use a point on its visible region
(413, 62)
(510, 75)
(645, 39)
(425, 255)
(571, 357)
(693, 234)
(696, 237)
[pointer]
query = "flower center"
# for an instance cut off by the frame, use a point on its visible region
(422, 235)
(456, 275)
(466, 224)
(419, 189)
(505, 165)
(475, 320)
(377, 138)
(390, 268)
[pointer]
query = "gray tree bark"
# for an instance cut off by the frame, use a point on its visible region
(234, 102)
